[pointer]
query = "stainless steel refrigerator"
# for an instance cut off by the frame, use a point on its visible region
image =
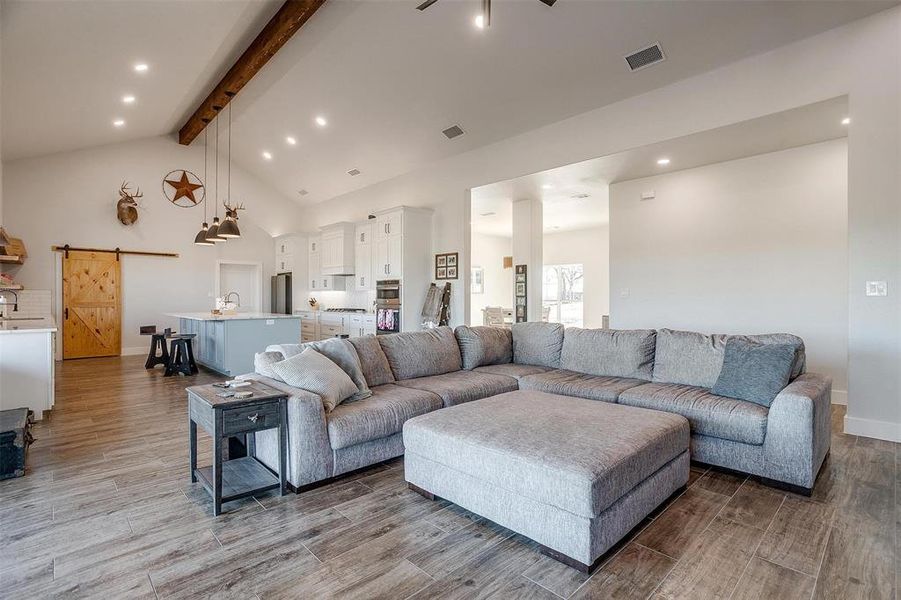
(281, 294)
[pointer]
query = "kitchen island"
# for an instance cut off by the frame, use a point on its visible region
(27, 364)
(227, 343)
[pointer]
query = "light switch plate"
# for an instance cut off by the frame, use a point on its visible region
(877, 288)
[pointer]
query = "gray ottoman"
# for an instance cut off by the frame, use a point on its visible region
(574, 475)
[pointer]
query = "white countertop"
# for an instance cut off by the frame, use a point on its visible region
(247, 316)
(45, 325)
(325, 313)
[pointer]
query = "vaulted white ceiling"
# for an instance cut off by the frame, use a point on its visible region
(387, 77)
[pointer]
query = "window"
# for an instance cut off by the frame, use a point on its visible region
(562, 294)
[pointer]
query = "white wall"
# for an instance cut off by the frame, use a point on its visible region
(748, 246)
(834, 63)
(590, 247)
(71, 198)
(488, 252)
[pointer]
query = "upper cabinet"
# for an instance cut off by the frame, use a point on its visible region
(389, 224)
(337, 249)
(363, 257)
(287, 247)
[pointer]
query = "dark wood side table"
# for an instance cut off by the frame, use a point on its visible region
(224, 417)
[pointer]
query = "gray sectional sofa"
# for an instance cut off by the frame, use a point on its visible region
(410, 374)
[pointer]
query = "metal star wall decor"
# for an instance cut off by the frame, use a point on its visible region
(182, 190)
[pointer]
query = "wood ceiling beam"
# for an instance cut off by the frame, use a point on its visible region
(285, 23)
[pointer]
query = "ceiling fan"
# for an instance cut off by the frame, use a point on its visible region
(485, 20)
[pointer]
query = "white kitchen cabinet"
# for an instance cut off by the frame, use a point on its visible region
(389, 258)
(285, 245)
(389, 223)
(363, 279)
(314, 270)
(284, 263)
(363, 233)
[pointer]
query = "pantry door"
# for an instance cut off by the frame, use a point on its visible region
(92, 316)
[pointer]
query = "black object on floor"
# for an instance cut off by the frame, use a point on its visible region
(15, 437)
(181, 356)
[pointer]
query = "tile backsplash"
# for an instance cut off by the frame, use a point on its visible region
(32, 303)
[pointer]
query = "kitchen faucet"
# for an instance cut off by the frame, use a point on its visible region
(4, 303)
(228, 295)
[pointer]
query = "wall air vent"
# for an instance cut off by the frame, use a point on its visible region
(580, 196)
(645, 57)
(302, 192)
(453, 131)
(487, 214)
(353, 172)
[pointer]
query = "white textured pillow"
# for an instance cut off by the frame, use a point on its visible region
(263, 361)
(313, 372)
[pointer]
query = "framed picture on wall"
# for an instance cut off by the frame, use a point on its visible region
(446, 265)
(477, 285)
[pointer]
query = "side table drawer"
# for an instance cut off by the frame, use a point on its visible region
(250, 418)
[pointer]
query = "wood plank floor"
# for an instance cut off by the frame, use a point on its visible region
(107, 510)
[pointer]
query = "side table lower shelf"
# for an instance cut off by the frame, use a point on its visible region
(241, 477)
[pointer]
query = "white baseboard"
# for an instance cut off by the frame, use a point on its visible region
(840, 397)
(133, 351)
(881, 430)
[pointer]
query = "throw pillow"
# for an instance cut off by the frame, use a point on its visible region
(484, 346)
(314, 373)
(342, 353)
(754, 372)
(263, 361)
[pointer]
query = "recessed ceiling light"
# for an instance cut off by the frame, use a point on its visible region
(846, 121)
(479, 21)
(141, 67)
(267, 155)
(662, 161)
(547, 186)
(128, 99)
(291, 141)
(119, 123)
(321, 121)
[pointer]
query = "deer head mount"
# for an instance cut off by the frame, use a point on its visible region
(127, 206)
(232, 211)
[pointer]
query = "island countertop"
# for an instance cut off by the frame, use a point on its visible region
(248, 316)
(37, 325)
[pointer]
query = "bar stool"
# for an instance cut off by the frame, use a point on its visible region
(181, 355)
(157, 345)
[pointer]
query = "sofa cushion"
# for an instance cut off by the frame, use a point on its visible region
(287, 350)
(313, 372)
(512, 370)
(575, 454)
(537, 344)
(462, 386)
(422, 353)
(708, 414)
(688, 357)
(754, 372)
(263, 361)
(373, 361)
(609, 352)
(581, 385)
(696, 359)
(484, 346)
(339, 351)
(381, 415)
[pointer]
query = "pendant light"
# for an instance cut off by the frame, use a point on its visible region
(213, 233)
(229, 227)
(200, 238)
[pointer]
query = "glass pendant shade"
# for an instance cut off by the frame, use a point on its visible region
(200, 238)
(229, 229)
(212, 233)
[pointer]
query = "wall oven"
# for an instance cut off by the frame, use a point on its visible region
(387, 306)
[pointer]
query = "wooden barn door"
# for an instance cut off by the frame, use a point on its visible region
(92, 318)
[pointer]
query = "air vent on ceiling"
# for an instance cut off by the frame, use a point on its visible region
(645, 57)
(487, 214)
(302, 192)
(453, 131)
(353, 172)
(580, 196)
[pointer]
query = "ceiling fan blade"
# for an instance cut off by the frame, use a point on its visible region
(548, 2)
(428, 3)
